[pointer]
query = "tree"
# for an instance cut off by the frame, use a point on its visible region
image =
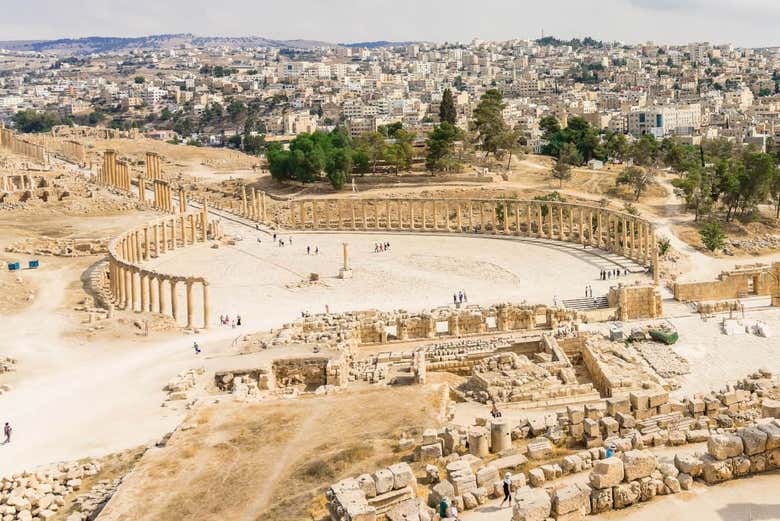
(447, 110)
(401, 153)
(372, 144)
(489, 122)
(139, 80)
(616, 146)
(644, 151)
(712, 236)
(440, 145)
(561, 171)
(696, 187)
(253, 144)
(638, 179)
(570, 155)
(235, 140)
(511, 142)
(30, 121)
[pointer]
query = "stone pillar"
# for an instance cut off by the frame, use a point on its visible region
(193, 228)
(632, 235)
(500, 435)
(460, 217)
(147, 243)
(471, 215)
(206, 304)
(161, 301)
(164, 224)
(387, 214)
(435, 216)
(411, 214)
(122, 280)
(144, 276)
(656, 269)
(243, 201)
(182, 201)
(174, 301)
(540, 224)
(141, 190)
(506, 216)
(190, 309)
(204, 219)
(136, 281)
(478, 442)
(517, 218)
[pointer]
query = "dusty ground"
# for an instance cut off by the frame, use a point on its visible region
(272, 461)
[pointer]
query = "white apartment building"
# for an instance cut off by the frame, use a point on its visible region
(681, 120)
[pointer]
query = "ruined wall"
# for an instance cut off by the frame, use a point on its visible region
(632, 302)
(732, 285)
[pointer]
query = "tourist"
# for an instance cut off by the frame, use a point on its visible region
(317, 250)
(274, 237)
(7, 430)
(238, 320)
(454, 512)
(196, 347)
(290, 241)
(507, 483)
(308, 250)
(465, 298)
(444, 506)
(494, 412)
(455, 299)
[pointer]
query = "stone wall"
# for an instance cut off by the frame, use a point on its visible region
(633, 302)
(739, 283)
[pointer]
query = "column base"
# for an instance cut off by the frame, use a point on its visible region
(345, 274)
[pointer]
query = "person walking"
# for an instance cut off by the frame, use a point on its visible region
(7, 430)
(507, 483)
(308, 250)
(196, 347)
(238, 320)
(455, 299)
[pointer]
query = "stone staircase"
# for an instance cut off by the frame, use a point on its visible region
(586, 304)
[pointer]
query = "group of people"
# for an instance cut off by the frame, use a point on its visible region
(316, 250)
(280, 242)
(613, 273)
(588, 291)
(381, 247)
(226, 321)
(459, 297)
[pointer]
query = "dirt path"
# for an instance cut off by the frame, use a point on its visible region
(285, 455)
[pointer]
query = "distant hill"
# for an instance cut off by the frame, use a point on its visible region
(374, 45)
(102, 44)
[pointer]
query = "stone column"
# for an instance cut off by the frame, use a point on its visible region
(435, 216)
(364, 214)
(141, 190)
(204, 218)
(517, 217)
(243, 201)
(387, 214)
(411, 214)
(164, 224)
(506, 216)
(122, 280)
(206, 304)
(354, 214)
(193, 228)
(540, 224)
(136, 281)
(190, 309)
(656, 270)
(161, 301)
(471, 215)
(460, 217)
(174, 300)
(144, 291)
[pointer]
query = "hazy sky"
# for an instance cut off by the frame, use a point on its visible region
(742, 22)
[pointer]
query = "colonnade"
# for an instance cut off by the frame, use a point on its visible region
(627, 235)
(17, 145)
(136, 288)
(16, 182)
(163, 198)
(153, 169)
(253, 204)
(114, 173)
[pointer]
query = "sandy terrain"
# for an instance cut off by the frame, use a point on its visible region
(420, 271)
(272, 461)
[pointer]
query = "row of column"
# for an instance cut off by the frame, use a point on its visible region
(616, 232)
(9, 140)
(141, 290)
(115, 173)
(163, 199)
(153, 166)
(253, 204)
(75, 151)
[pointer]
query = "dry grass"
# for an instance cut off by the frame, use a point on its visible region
(273, 461)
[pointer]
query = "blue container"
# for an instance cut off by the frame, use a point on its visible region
(13, 266)
(32, 264)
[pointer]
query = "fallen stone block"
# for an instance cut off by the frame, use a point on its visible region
(638, 464)
(607, 473)
(753, 440)
(531, 504)
(571, 498)
(722, 446)
(626, 494)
